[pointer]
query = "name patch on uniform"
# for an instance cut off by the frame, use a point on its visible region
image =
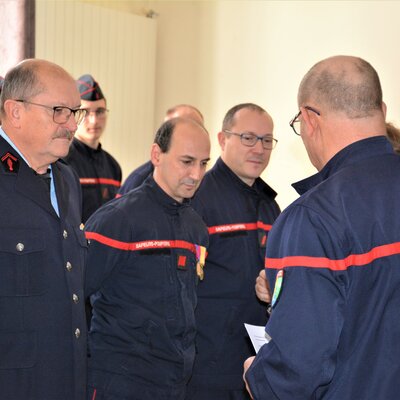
(10, 163)
(278, 288)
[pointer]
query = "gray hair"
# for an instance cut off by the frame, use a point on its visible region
(343, 84)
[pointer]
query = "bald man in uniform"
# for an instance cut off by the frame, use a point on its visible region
(333, 255)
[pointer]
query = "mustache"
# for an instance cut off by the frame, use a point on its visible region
(63, 134)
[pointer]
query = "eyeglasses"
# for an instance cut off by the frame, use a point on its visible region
(296, 120)
(249, 139)
(100, 112)
(61, 114)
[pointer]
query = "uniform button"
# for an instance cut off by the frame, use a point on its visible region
(75, 298)
(68, 265)
(65, 234)
(20, 247)
(77, 333)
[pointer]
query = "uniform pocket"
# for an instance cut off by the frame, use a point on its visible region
(22, 265)
(17, 349)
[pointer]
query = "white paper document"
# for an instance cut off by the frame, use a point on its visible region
(258, 336)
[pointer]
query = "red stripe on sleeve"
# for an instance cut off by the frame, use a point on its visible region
(335, 265)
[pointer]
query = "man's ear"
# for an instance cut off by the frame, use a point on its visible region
(221, 139)
(13, 110)
(310, 119)
(384, 109)
(155, 154)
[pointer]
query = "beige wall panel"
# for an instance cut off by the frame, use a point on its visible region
(119, 50)
(215, 54)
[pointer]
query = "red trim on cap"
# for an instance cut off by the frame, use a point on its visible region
(353, 260)
(99, 181)
(252, 226)
(144, 245)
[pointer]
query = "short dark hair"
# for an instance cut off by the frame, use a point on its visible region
(164, 134)
(352, 87)
(21, 82)
(229, 119)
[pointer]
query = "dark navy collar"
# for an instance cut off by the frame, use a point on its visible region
(84, 147)
(355, 152)
(259, 187)
(163, 198)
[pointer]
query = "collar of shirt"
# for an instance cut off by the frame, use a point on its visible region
(170, 205)
(351, 154)
(53, 196)
(259, 187)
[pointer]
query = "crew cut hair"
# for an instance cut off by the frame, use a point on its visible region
(229, 119)
(352, 88)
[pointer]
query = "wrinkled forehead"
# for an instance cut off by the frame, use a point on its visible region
(60, 89)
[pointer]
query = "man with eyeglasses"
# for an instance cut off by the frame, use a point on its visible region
(99, 173)
(238, 208)
(333, 255)
(42, 244)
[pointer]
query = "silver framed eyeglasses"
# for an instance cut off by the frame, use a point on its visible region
(295, 122)
(61, 114)
(250, 139)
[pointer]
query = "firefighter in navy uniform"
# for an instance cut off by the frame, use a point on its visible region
(138, 176)
(334, 253)
(99, 173)
(42, 244)
(146, 253)
(238, 208)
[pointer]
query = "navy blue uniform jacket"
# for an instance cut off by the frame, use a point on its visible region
(136, 177)
(42, 317)
(238, 218)
(141, 275)
(99, 174)
(335, 326)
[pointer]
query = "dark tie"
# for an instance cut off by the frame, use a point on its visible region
(46, 179)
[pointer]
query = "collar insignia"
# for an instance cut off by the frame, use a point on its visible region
(10, 163)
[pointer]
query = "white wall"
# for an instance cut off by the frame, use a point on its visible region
(119, 50)
(215, 54)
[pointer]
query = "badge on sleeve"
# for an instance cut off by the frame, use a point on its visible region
(277, 288)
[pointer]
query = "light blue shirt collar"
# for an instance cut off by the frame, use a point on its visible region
(53, 195)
